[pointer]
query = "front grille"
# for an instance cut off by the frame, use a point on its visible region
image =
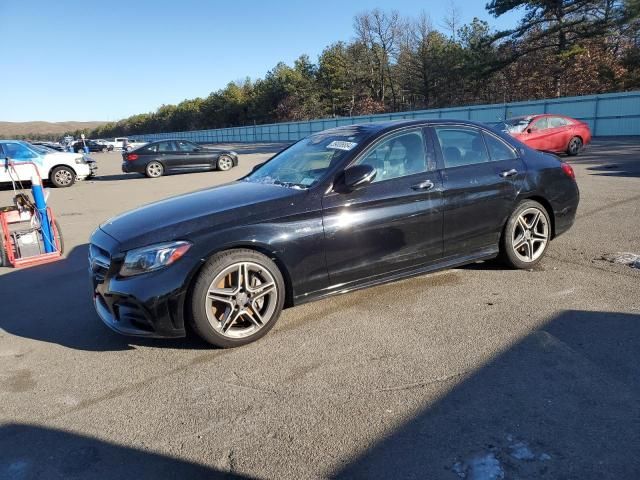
(99, 262)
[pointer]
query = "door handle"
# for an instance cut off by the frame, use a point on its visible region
(508, 173)
(426, 185)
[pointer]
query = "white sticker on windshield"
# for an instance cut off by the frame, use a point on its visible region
(339, 145)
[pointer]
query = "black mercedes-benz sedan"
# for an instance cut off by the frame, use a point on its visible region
(157, 158)
(342, 209)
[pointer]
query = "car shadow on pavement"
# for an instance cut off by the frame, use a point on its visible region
(563, 402)
(53, 303)
(613, 157)
(30, 452)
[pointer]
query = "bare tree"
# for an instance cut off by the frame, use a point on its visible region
(381, 32)
(452, 21)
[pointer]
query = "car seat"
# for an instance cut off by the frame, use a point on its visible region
(414, 161)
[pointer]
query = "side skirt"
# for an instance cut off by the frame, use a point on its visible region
(444, 264)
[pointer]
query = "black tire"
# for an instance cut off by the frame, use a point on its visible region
(62, 177)
(59, 237)
(4, 259)
(154, 169)
(515, 257)
(105, 149)
(212, 269)
(574, 147)
(224, 163)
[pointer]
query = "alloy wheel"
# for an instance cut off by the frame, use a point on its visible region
(574, 146)
(530, 235)
(154, 169)
(241, 300)
(63, 177)
(225, 163)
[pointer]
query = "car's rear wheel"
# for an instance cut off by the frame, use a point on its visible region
(574, 147)
(154, 170)
(237, 298)
(104, 149)
(526, 235)
(225, 162)
(62, 177)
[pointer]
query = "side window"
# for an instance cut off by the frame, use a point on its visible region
(16, 151)
(541, 124)
(186, 146)
(555, 122)
(400, 155)
(498, 150)
(461, 146)
(165, 147)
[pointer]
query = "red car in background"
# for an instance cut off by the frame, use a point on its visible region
(549, 132)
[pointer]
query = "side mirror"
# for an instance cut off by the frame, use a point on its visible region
(358, 176)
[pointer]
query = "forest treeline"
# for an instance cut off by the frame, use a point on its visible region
(393, 63)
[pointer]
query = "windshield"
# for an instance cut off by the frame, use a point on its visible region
(516, 124)
(305, 163)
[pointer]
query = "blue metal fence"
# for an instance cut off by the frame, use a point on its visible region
(610, 114)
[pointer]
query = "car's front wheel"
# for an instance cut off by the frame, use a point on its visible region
(526, 235)
(154, 170)
(62, 177)
(237, 298)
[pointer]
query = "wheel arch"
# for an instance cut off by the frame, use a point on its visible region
(262, 249)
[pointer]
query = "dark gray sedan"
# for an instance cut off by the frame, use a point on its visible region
(157, 158)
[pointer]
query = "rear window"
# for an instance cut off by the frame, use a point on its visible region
(461, 146)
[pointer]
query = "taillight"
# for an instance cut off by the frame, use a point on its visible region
(568, 170)
(132, 156)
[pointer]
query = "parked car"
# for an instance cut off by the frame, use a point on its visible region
(551, 133)
(118, 143)
(343, 209)
(157, 158)
(133, 145)
(62, 169)
(93, 145)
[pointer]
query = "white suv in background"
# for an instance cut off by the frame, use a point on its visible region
(62, 169)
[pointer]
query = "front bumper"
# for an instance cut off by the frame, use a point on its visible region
(93, 168)
(85, 169)
(148, 305)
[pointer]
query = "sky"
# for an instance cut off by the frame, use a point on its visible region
(71, 60)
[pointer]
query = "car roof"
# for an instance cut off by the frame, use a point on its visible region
(379, 127)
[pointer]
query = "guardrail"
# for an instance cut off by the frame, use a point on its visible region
(610, 114)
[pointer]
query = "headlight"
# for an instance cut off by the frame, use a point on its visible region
(80, 160)
(153, 257)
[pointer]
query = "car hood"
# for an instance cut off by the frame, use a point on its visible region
(185, 215)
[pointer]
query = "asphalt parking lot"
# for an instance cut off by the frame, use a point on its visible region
(468, 372)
